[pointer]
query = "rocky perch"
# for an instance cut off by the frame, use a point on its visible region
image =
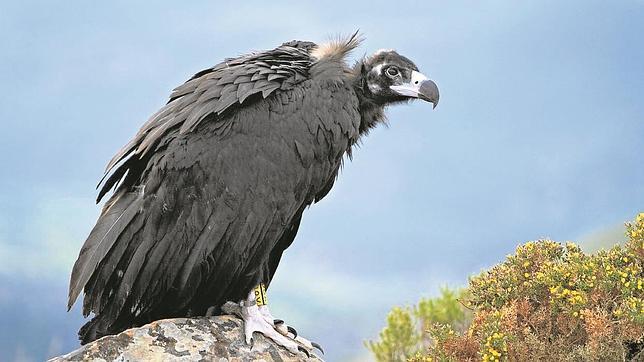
(219, 339)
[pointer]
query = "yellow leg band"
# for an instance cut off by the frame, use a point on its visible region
(260, 295)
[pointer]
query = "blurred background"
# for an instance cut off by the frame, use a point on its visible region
(539, 133)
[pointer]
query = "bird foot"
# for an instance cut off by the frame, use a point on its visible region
(259, 319)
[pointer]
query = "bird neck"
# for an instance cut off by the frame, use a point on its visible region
(371, 112)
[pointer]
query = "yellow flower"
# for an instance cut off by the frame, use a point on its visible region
(494, 352)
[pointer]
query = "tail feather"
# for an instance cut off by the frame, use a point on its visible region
(91, 331)
(104, 325)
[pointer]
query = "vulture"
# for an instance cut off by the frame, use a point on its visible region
(209, 193)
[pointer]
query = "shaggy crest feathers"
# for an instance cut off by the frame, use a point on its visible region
(337, 48)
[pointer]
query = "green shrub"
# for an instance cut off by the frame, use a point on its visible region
(399, 339)
(548, 302)
(404, 336)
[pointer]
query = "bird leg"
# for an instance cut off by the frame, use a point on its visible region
(257, 318)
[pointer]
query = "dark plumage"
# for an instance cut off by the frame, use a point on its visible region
(211, 190)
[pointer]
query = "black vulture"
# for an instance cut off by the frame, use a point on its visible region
(211, 190)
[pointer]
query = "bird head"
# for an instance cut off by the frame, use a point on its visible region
(388, 77)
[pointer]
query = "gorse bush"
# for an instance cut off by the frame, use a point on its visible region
(548, 302)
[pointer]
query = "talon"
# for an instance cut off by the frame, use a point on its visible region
(292, 330)
(259, 319)
(281, 328)
(317, 346)
(302, 349)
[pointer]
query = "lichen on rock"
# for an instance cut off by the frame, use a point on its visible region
(219, 338)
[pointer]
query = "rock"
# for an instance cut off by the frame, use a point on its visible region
(219, 338)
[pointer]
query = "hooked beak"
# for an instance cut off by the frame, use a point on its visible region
(419, 87)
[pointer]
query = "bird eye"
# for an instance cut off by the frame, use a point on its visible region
(392, 71)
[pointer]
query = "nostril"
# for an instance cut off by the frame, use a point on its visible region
(416, 82)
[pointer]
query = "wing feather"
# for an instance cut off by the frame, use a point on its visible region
(198, 98)
(101, 239)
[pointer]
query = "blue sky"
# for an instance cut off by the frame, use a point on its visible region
(539, 133)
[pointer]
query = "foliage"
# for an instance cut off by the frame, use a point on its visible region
(399, 339)
(550, 301)
(445, 310)
(404, 336)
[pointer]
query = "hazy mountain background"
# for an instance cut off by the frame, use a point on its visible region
(539, 133)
